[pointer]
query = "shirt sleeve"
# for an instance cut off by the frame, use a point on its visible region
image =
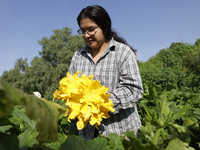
(129, 89)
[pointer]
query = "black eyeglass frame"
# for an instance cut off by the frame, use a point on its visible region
(86, 31)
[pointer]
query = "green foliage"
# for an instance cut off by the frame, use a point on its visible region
(138, 145)
(177, 65)
(170, 120)
(8, 142)
(43, 74)
(18, 117)
(169, 109)
(77, 143)
(178, 144)
(168, 114)
(114, 142)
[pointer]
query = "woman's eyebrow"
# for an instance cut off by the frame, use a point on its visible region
(88, 27)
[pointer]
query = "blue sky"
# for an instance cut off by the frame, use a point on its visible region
(147, 25)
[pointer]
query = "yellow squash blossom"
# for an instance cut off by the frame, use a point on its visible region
(86, 99)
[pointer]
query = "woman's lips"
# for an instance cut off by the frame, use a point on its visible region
(90, 41)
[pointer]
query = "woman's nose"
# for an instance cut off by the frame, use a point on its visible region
(86, 34)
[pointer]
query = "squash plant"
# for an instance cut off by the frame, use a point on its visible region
(170, 120)
(170, 117)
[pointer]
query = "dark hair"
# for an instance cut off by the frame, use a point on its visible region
(100, 16)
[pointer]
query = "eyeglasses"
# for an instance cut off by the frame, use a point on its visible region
(90, 31)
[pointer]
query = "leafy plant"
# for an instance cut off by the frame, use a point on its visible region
(164, 115)
(44, 112)
(170, 120)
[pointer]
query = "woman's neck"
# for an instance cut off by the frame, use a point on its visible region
(96, 53)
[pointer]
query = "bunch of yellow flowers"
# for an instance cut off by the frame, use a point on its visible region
(86, 99)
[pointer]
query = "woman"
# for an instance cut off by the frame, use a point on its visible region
(114, 64)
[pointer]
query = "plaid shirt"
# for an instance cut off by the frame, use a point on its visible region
(116, 69)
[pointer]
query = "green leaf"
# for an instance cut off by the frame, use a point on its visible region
(190, 124)
(5, 121)
(20, 117)
(197, 111)
(115, 142)
(126, 143)
(8, 142)
(137, 144)
(5, 128)
(47, 116)
(182, 132)
(187, 122)
(57, 144)
(8, 99)
(177, 144)
(96, 144)
(73, 128)
(64, 121)
(170, 87)
(73, 142)
(163, 143)
(45, 113)
(27, 138)
(164, 106)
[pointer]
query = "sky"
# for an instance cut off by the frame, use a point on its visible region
(147, 25)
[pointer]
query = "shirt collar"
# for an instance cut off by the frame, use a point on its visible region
(112, 44)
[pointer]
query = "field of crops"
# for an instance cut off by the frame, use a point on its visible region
(170, 121)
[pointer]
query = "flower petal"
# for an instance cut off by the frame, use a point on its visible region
(85, 98)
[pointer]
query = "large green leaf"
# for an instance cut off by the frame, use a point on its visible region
(115, 142)
(27, 138)
(177, 144)
(19, 118)
(96, 144)
(182, 132)
(165, 112)
(75, 142)
(197, 111)
(8, 142)
(57, 144)
(46, 113)
(5, 121)
(137, 144)
(9, 97)
(73, 128)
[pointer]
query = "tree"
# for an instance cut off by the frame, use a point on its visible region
(44, 73)
(177, 65)
(21, 65)
(197, 43)
(16, 76)
(60, 47)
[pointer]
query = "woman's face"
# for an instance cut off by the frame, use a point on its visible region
(94, 41)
